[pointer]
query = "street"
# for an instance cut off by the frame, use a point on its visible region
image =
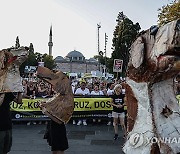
(91, 139)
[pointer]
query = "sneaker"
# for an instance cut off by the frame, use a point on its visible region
(29, 123)
(34, 123)
(115, 136)
(94, 120)
(74, 122)
(84, 123)
(109, 123)
(79, 123)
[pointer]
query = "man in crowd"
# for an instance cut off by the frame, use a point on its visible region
(82, 91)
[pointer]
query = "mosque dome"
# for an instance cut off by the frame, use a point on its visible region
(75, 56)
(59, 59)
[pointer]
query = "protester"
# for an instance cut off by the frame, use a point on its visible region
(6, 122)
(82, 91)
(110, 92)
(118, 110)
(102, 87)
(31, 90)
(110, 89)
(24, 86)
(96, 92)
(42, 90)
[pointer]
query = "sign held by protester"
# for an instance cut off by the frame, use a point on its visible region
(117, 67)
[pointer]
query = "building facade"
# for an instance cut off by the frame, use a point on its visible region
(75, 62)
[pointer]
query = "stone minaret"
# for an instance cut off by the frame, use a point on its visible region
(50, 44)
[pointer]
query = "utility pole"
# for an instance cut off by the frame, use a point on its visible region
(98, 27)
(106, 39)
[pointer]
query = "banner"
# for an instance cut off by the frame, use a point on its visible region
(83, 108)
(92, 104)
(117, 67)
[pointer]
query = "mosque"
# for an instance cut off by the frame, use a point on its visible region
(74, 61)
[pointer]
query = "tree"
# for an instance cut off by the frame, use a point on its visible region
(34, 58)
(124, 34)
(31, 48)
(100, 58)
(17, 45)
(48, 61)
(30, 61)
(169, 12)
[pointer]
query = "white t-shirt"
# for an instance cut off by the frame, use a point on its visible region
(97, 92)
(73, 89)
(79, 91)
(110, 92)
(123, 91)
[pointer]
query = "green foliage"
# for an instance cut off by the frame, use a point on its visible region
(169, 12)
(100, 59)
(49, 61)
(124, 34)
(31, 48)
(34, 58)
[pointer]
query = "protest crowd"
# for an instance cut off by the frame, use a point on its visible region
(83, 87)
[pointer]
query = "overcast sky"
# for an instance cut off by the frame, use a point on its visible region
(74, 22)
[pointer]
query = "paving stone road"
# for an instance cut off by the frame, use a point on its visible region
(91, 139)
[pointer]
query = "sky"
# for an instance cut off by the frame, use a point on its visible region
(74, 23)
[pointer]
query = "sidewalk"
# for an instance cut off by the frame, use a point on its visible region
(91, 139)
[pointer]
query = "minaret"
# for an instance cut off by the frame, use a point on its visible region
(50, 44)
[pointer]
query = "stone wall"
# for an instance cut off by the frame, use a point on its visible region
(75, 67)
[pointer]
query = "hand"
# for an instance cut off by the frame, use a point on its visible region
(31, 97)
(119, 106)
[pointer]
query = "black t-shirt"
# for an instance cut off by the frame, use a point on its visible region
(30, 91)
(118, 99)
(5, 115)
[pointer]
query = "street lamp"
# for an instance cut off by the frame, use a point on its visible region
(106, 39)
(98, 27)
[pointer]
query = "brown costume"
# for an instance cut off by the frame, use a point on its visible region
(61, 106)
(152, 109)
(10, 61)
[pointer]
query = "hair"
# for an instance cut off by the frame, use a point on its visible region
(117, 86)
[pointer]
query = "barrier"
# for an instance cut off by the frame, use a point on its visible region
(84, 107)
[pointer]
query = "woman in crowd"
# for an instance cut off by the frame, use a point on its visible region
(42, 90)
(118, 112)
(96, 91)
(102, 87)
(31, 90)
(24, 86)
